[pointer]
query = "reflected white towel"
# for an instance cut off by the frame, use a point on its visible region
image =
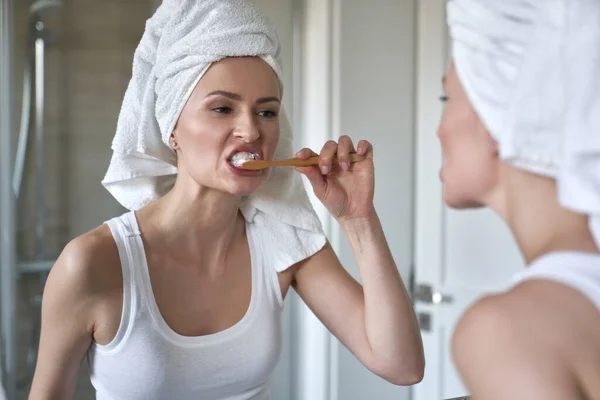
(180, 42)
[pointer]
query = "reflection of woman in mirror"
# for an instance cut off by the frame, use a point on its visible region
(181, 297)
(521, 134)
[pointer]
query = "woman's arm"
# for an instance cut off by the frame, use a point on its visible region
(67, 323)
(376, 321)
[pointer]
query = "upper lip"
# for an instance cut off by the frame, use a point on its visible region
(245, 149)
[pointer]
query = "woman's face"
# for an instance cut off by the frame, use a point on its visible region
(232, 112)
(471, 163)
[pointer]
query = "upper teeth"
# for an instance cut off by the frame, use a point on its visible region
(239, 158)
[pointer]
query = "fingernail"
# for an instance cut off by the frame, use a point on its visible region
(361, 150)
(345, 166)
(324, 170)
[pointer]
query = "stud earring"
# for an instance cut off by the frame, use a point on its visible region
(173, 144)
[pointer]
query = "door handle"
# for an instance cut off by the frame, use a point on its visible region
(424, 320)
(425, 294)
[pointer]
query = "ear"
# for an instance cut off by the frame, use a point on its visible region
(173, 140)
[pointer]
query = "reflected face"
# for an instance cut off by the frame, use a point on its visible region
(471, 163)
(232, 114)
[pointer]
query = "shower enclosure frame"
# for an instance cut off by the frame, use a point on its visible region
(11, 268)
(8, 265)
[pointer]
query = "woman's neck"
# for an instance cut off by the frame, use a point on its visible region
(528, 203)
(200, 226)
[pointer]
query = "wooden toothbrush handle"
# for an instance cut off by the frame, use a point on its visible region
(294, 162)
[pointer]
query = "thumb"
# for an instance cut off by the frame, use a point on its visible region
(316, 179)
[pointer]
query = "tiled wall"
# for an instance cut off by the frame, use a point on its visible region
(88, 68)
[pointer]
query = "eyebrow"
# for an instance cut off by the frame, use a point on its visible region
(267, 100)
(444, 80)
(237, 97)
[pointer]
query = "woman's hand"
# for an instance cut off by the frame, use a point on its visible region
(345, 189)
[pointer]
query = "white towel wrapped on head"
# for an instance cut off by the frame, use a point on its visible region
(531, 69)
(182, 39)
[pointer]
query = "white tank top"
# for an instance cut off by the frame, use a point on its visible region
(578, 270)
(147, 360)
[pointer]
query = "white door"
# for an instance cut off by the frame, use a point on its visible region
(459, 255)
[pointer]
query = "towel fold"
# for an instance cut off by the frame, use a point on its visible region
(182, 39)
(532, 72)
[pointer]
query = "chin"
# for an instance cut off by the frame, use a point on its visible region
(244, 189)
(460, 202)
(244, 183)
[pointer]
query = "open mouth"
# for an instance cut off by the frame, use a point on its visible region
(241, 157)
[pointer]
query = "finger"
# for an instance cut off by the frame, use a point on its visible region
(316, 179)
(326, 157)
(365, 149)
(345, 147)
(305, 153)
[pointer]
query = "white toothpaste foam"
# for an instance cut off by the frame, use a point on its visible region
(240, 158)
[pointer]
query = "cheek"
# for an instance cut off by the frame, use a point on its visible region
(470, 172)
(201, 133)
(270, 139)
(201, 145)
(201, 148)
(469, 163)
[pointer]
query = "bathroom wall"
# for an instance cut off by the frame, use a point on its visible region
(377, 86)
(88, 66)
(358, 79)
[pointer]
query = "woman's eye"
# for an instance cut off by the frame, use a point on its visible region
(222, 110)
(443, 98)
(267, 114)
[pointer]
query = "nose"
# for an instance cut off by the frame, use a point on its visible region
(246, 128)
(442, 129)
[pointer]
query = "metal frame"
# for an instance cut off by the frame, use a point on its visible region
(34, 87)
(8, 273)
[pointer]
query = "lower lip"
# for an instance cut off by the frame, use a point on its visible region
(243, 172)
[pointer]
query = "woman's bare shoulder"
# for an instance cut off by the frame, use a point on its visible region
(89, 262)
(519, 343)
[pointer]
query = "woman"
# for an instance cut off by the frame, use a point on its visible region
(520, 134)
(181, 298)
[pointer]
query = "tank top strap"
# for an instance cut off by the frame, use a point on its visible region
(124, 234)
